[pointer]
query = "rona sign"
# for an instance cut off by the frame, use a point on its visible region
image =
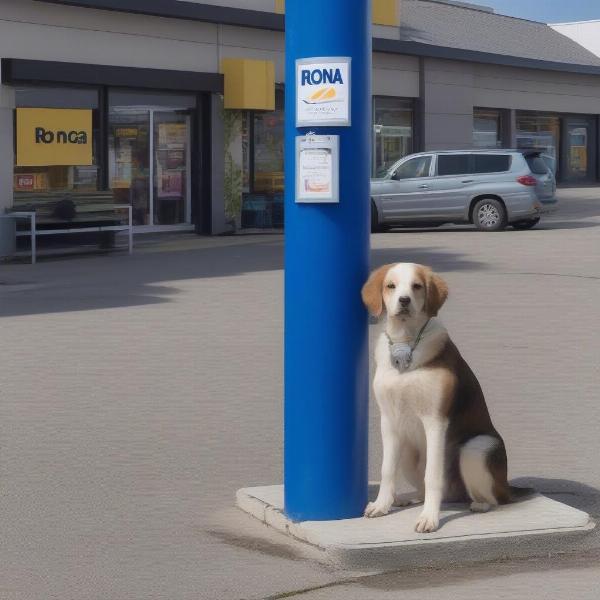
(53, 136)
(323, 92)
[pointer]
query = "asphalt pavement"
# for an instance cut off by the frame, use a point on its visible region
(139, 393)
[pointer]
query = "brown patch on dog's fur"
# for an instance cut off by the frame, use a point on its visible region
(468, 416)
(437, 292)
(372, 292)
(497, 464)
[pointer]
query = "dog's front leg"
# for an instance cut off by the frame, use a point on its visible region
(387, 487)
(435, 434)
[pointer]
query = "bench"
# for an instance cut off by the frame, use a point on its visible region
(83, 223)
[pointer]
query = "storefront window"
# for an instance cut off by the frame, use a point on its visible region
(268, 151)
(487, 128)
(262, 152)
(392, 131)
(542, 132)
(43, 185)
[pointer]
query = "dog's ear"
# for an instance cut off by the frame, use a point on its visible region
(437, 293)
(372, 292)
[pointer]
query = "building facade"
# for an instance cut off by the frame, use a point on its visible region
(180, 103)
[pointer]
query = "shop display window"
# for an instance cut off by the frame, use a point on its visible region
(487, 128)
(541, 132)
(263, 167)
(393, 135)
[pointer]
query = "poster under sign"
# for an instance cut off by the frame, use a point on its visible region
(317, 169)
(171, 160)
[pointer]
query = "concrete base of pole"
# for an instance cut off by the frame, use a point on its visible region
(537, 526)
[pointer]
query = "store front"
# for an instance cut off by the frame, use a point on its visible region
(568, 143)
(145, 147)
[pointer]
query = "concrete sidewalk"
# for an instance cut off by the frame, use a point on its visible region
(536, 526)
(139, 393)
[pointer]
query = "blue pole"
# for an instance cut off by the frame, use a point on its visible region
(326, 264)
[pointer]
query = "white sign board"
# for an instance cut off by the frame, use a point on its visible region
(317, 168)
(323, 92)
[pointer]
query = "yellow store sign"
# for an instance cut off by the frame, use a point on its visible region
(53, 136)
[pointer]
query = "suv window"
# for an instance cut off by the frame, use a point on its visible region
(415, 167)
(536, 164)
(490, 163)
(453, 164)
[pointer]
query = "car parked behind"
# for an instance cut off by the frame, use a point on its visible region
(489, 188)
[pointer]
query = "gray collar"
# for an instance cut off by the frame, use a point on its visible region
(419, 337)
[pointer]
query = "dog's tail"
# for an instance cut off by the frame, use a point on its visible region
(520, 493)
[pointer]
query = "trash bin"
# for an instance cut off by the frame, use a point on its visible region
(8, 236)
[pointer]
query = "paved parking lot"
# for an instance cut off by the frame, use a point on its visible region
(138, 393)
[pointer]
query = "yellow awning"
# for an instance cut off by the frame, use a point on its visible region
(249, 84)
(385, 12)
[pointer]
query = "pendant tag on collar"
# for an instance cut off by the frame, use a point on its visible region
(401, 355)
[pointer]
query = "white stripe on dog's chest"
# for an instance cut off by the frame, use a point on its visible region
(417, 390)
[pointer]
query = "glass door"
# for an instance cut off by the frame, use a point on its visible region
(579, 148)
(129, 161)
(150, 138)
(171, 167)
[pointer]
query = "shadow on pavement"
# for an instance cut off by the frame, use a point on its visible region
(574, 494)
(438, 259)
(145, 278)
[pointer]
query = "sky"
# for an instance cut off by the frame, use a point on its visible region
(548, 11)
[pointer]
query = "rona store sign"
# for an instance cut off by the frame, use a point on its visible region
(53, 136)
(323, 92)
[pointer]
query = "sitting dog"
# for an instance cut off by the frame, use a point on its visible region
(435, 425)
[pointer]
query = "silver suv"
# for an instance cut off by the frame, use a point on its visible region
(489, 188)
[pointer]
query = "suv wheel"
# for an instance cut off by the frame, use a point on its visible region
(489, 214)
(526, 224)
(376, 227)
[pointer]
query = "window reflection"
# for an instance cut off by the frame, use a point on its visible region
(487, 128)
(392, 131)
(541, 132)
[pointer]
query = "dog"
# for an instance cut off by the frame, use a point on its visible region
(435, 425)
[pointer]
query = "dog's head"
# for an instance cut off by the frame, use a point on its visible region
(406, 290)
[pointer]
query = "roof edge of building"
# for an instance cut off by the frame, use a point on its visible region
(241, 17)
(461, 54)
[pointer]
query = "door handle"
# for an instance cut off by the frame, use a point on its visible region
(468, 180)
(423, 187)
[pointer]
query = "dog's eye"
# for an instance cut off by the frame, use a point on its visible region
(391, 286)
(417, 286)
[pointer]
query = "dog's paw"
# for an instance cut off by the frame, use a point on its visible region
(427, 522)
(480, 507)
(379, 508)
(407, 499)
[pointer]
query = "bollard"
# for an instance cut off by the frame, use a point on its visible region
(326, 263)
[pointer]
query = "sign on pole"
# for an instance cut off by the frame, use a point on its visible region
(323, 92)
